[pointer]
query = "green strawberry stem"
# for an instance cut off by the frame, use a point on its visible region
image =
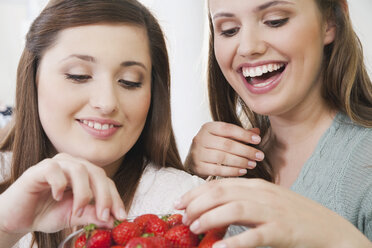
(117, 222)
(147, 235)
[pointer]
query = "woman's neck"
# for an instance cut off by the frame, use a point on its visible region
(113, 168)
(293, 139)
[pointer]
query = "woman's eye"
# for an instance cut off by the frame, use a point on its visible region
(229, 32)
(276, 23)
(130, 84)
(78, 78)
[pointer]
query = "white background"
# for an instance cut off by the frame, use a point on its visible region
(184, 24)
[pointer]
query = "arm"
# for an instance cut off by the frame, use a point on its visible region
(276, 216)
(56, 194)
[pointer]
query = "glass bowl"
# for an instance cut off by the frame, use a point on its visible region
(70, 240)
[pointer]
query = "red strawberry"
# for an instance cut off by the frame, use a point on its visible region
(118, 246)
(140, 242)
(98, 238)
(124, 231)
(212, 236)
(81, 241)
(159, 241)
(142, 220)
(173, 220)
(181, 237)
(156, 226)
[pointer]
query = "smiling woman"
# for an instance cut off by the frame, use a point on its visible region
(92, 139)
(115, 82)
(295, 70)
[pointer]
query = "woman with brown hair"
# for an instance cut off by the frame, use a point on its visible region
(92, 139)
(294, 71)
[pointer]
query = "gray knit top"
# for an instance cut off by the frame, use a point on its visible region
(338, 174)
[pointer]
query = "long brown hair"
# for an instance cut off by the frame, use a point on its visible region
(27, 140)
(346, 84)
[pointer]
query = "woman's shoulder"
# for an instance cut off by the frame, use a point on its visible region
(159, 188)
(166, 178)
(346, 139)
(5, 161)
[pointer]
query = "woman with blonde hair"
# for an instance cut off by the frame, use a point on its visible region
(294, 71)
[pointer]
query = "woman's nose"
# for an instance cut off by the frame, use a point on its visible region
(104, 97)
(251, 43)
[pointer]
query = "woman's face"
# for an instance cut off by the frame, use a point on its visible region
(94, 91)
(271, 51)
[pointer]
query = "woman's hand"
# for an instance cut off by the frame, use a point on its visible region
(57, 193)
(222, 149)
(277, 217)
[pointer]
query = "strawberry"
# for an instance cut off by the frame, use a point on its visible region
(81, 241)
(142, 220)
(212, 236)
(181, 237)
(159, 241)
(97, 238)
(156, 226)
(124, 231)
(117, 246)
(173, 220)
(140, 242)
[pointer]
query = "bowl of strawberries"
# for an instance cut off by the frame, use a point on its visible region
(145, 231)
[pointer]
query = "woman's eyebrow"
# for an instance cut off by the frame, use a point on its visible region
(270, 4)
(257, 9)
(222, 14)
(133, 63)
(80, 56)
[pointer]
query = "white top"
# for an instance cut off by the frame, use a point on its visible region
(156, 192)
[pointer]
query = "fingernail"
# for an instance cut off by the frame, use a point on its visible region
(252, 164)
(184, 219)
(105, 214)
(242, 171)
(122, 214)
(219, 245)
(177, 204)
(59, 196)
(256, 138)
(195, 226)
(260, 155)
(79, 213)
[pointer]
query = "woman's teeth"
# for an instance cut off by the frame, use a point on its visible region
(97, 125)
(250, 72)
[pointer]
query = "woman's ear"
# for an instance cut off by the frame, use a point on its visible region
(330, 32)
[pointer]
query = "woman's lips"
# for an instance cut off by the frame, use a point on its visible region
(263, 82)
(99, 129)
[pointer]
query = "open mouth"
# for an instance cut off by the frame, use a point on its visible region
(261, 76)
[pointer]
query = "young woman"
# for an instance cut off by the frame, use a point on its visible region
(92, 140)
(294, 70)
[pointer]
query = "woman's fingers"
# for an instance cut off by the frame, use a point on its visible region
(80, 184)
(263, 235)
(89, 182)
(89, 216)
(233, 141)
(55, 178)
(217, 170)
(117, 203)
(232, 131)
(239, 212)
(226, 144)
